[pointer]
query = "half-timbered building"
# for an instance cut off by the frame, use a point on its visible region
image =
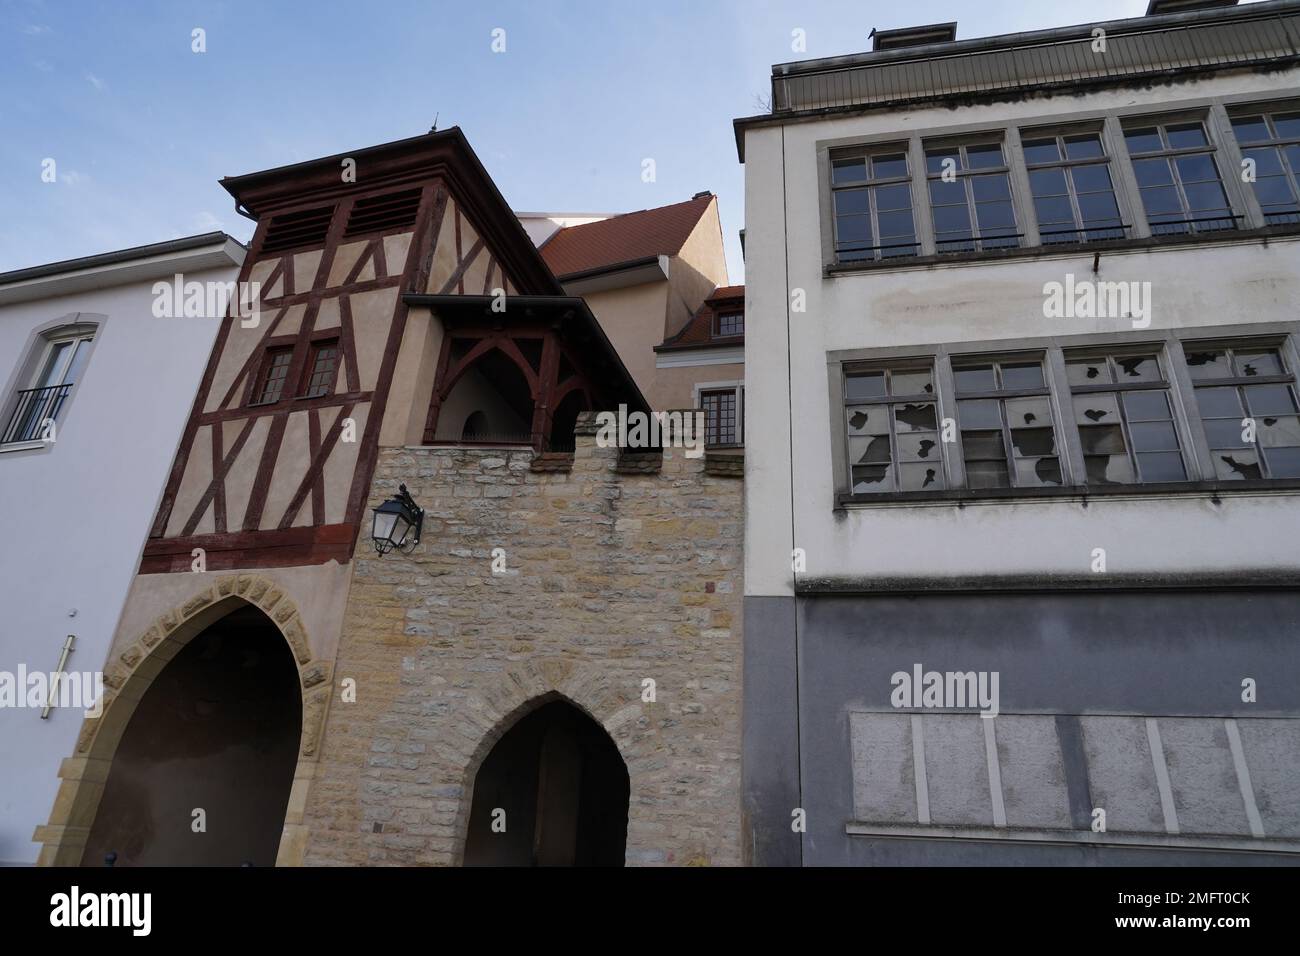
(407, 332)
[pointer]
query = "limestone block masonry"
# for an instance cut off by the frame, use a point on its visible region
(611, 579)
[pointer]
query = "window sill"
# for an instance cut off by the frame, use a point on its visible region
(1174, 489)
(24, 445)
(1062, 248)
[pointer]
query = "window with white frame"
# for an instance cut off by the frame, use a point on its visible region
(723, 414)
(1178, 178)
(36, 407)
(1074, 196)
(970, 197)
(1270, 142)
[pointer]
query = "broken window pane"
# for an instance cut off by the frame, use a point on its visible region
(1237, 465)
(919, 446)
(912, 382)
(892, 445)
(1204, 365)
(921, 477)
(1108, 469)
(1088, 372)
(1263, 362)
(1137, 368)
(1032, 472)
(1033, 442)
(1096, 409)
(1102, 439)
(1029, 412)
(1276, 432)
(911, 417)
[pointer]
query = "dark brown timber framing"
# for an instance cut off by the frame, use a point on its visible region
(563, 325)
(441, 167)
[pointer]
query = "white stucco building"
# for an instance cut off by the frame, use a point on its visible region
(978, 468)
(96, 390)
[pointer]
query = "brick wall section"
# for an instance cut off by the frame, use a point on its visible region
(613, 578)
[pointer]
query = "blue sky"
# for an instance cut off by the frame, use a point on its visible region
(141, 128)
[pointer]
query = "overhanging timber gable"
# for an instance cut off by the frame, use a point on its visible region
(285, 482)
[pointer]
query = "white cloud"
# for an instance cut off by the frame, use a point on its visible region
(73, 178)
(95, 81)
(45, 66)
(36, 29)
(206, 222)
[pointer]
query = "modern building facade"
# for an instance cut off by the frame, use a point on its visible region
(99, 361)
(1023, 440)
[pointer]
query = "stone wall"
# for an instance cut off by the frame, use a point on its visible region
(612, 578)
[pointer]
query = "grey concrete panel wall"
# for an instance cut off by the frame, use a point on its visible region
(1032, 769)
(1116, 656)
(770, 761)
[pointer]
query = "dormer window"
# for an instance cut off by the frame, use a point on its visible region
(728, 324)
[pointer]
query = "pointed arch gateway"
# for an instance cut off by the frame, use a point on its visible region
(553, 791)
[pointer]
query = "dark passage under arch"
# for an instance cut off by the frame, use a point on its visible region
(218, 731)
(564, 790)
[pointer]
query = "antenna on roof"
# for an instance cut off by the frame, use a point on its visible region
(434, 127)
(872, 33)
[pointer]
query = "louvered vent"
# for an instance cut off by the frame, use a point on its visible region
(291, 230)
(383, 213)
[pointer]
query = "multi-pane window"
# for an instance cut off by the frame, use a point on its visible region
(1247, 399)
(873, 207)
(59, 369)
(893, 429)
(1126, 424)
(722, 424)
(730, 323)
(1271, 141)
(1178, 178)
(323, 364)
(275, 372)
(970, 197)
(1074, 197)
(1004, 411)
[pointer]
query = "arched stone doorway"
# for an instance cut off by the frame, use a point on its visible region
(214, 737)
(553, 791)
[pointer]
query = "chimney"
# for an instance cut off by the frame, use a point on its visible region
(913, 36)
(1157, 7)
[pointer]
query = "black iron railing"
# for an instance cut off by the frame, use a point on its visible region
(35, 406)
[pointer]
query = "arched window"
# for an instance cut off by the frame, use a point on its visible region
(46, 381)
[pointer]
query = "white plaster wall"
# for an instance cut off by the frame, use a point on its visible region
(74, 516)
(1214, 284)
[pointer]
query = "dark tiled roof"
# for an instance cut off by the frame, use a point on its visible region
(698, 332)
(628, 238)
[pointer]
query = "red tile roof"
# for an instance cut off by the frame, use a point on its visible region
(698, 332)
(626, 238)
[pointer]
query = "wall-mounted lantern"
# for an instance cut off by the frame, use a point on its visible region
(397, 523)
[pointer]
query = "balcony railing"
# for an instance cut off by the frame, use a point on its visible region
(34, 407)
